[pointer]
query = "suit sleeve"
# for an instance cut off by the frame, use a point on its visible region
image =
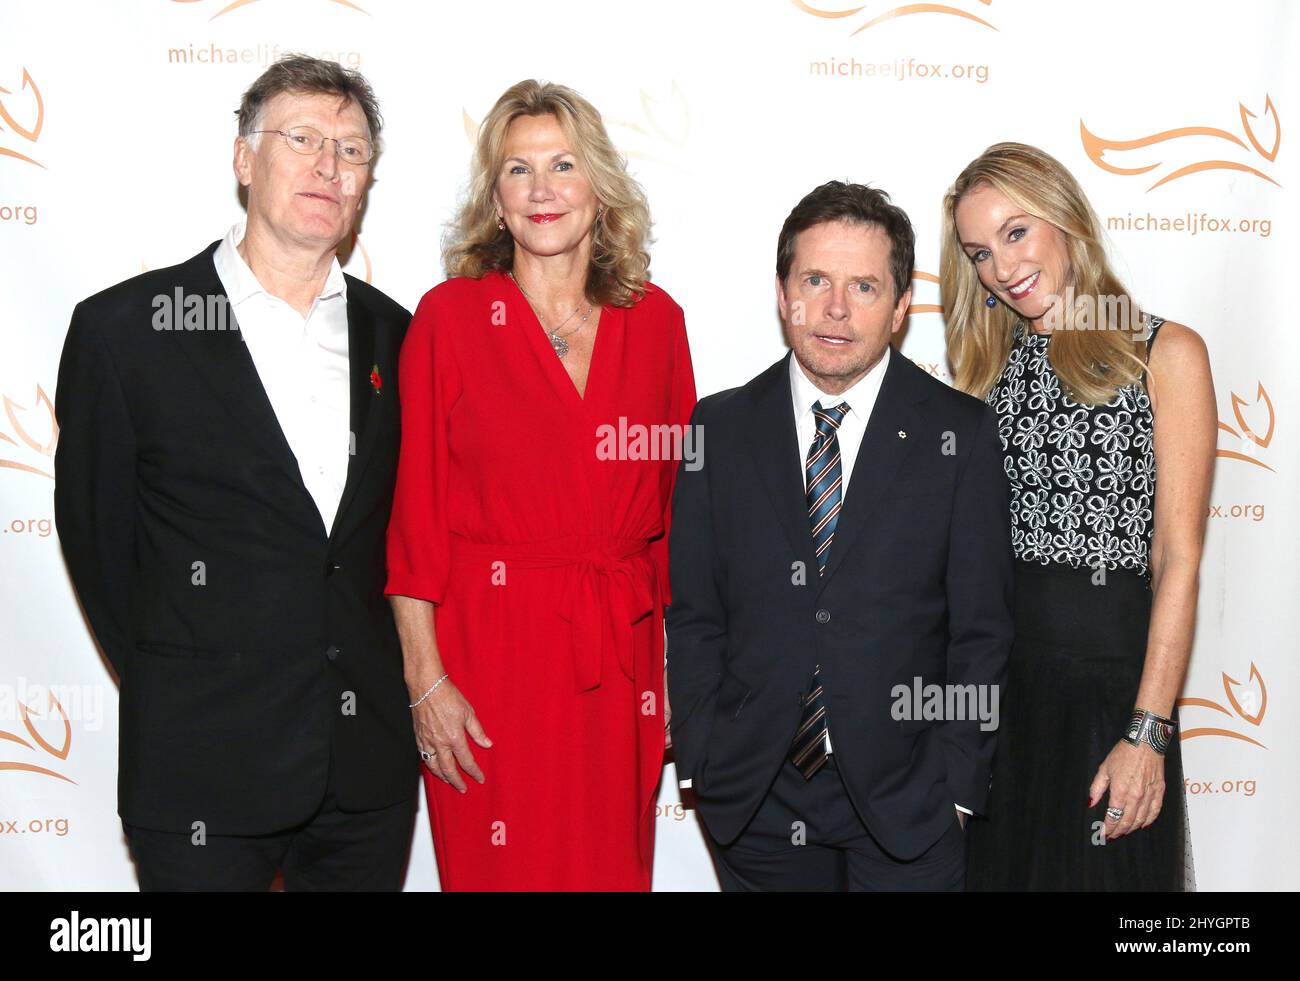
(697, 618)
(95, 485)
(418, 532)
(682, 406)
(980, 583)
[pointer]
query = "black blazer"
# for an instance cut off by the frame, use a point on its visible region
(919, 585)
(238, 676)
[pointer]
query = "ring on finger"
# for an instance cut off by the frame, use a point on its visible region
(1114, 813)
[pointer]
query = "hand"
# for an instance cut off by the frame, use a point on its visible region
(1135, 776)
(668, 718)
(441, 722)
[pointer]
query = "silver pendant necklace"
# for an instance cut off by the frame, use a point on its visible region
(558, 342)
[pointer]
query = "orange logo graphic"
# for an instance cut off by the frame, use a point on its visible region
(244, 3)
(904, 11)
(1249, 438)
(924, 277)
(939, 369)
(1096, 147)
(1248, 703)
(30, 135)
(46, 419)
(58, 752)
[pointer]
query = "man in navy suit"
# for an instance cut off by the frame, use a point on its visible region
(229, 434)
(844, 548)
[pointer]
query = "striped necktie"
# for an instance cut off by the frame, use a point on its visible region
(825, 479)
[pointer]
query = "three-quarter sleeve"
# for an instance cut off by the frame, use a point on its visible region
(430, 385)
(682, 405)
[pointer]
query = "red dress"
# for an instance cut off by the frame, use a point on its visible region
(548, 563)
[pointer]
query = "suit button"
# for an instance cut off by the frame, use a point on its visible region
(332, 652)
(331, 568)
(823, 616)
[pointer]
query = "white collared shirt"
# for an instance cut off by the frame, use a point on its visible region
(861, 398)
(303, 366)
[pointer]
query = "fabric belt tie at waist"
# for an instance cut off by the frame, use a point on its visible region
(607, 590)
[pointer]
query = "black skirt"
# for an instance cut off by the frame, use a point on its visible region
(1071, 687)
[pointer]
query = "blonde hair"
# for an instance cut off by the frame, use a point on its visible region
(1092, 364)
(620, 262)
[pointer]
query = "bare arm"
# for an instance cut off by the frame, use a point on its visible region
(421, 662)
(1182, 404)
(443, 718)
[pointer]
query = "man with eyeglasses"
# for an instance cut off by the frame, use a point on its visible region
(229, 435)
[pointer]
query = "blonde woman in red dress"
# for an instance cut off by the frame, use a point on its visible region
(527, 556)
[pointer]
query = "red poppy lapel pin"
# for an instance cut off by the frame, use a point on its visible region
(376, 382)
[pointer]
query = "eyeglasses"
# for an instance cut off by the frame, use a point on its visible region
(305, 140)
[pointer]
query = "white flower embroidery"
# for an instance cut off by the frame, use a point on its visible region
(1136, 513)
(1072, 469)
(1112, 433)
(1114, 471)
(1067, 510)
(1102, 512)
(1030, 432)
(1070, 431)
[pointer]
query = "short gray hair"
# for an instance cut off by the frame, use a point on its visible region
(307, 76)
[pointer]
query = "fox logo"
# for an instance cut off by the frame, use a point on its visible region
(30, 135)
(1249, 700)
(1185, 144)
(1249, 439)
(43, 410)
(42, 745)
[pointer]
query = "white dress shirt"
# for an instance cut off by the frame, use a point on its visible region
(861, 398)
(303, 366)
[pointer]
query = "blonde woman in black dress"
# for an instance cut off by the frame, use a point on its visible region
(1094, 401)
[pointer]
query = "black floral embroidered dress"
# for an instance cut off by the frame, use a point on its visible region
(1083, 481)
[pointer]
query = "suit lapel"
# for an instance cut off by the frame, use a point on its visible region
(222, 359)
(878, 458)
(364, 354)
(775, 449)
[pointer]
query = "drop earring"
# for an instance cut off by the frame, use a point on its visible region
(991, 302)
(501, 225)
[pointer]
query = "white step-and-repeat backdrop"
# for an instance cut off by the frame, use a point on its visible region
(116, 131)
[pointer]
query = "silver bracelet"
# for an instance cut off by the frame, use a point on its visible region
(1154, 730)
(429, 692)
